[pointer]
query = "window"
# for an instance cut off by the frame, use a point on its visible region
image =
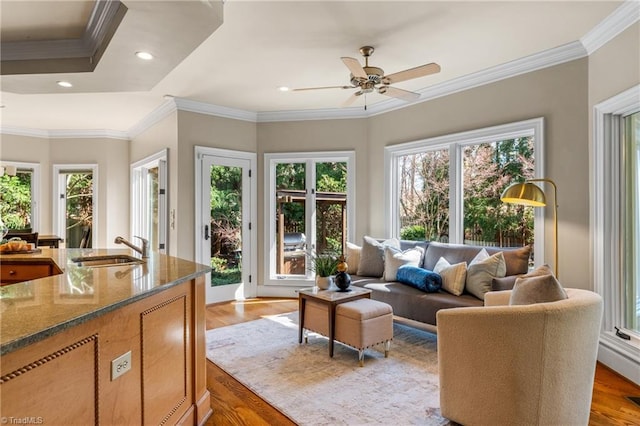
(308, 210)
(614, 228)
(20, 195)
(448, 188)
(149, 200)
(76, 198)
(631, 212)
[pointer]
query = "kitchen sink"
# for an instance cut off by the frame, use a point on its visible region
(106, 260)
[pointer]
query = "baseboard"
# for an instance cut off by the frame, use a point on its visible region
(613, 357)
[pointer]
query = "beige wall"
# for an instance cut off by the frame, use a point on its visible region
(112, 158)
(558, 95)
(615, 67)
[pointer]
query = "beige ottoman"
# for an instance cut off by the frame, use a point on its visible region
(364, 323)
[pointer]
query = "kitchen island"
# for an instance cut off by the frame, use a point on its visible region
(118, 344)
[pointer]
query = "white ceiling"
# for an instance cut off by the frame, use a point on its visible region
(263, 45)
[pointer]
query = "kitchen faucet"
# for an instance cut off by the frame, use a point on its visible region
(144, 250)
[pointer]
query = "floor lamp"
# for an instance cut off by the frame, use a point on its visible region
(527, 194)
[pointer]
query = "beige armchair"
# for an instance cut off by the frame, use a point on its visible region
(524, 365)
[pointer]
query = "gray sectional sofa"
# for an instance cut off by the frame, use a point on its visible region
(417, 305)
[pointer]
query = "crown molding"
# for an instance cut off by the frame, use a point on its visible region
(189, 105)
(20, 131)
(313, 114)
(65, 134)
(619, 20)
(161, 112)
(88, 134)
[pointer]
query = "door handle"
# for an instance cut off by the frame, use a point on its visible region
(206, 232)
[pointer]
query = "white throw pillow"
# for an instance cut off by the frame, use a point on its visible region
(372, 256)
(482, 270)
(453, 276)
(394, 258)
(353, 258)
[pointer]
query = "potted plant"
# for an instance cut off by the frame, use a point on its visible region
(324, 265)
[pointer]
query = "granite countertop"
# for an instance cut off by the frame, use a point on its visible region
(33, 310)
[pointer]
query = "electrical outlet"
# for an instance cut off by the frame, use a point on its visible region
(120, 365)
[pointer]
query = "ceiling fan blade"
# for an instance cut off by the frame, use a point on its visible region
(319, 88)
(351, 99)
(416, 72)
(394, 92)
(355, 67)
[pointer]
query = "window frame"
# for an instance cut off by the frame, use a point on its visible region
(607, 227)
(456, 142)
(35, 189)
(310, 158)
(140, 198)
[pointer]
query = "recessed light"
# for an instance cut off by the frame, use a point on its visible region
(144, 55)
(64, 84)
(283, 89)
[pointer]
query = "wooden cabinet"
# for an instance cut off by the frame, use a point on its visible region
(67, 378)
(14, 272)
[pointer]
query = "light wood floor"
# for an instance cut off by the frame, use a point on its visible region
(233, 404)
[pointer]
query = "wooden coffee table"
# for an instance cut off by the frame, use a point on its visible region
(331, 298)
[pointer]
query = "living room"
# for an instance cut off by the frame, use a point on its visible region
(564, 88)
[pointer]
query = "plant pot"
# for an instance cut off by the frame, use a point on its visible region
(323, 283)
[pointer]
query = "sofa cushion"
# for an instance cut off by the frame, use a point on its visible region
(394, 258)
(353, 258)
(481, 271)
(539, 286)
(372, 256)
(453, 276)
(411, 303)
(422, 279)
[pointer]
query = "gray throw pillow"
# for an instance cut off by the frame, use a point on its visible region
(372, 256)
(481, 272)
(537, 287)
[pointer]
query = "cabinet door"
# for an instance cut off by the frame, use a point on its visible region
(58, 388)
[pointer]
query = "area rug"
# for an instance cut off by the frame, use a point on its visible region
(311, 388)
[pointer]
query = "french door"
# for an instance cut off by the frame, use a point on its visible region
(225, 240)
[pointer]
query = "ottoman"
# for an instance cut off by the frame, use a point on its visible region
(364, 323)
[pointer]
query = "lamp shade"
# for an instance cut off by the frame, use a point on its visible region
(524, 194)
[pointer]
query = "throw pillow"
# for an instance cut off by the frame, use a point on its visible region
(481, 272)
(538, 286)
(422, 279)
(353, 258)
(394, 258)
(453, 276)
(372, 256)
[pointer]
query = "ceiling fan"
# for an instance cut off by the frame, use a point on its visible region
(368, 79)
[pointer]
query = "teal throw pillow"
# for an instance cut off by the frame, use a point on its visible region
(422, 279)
